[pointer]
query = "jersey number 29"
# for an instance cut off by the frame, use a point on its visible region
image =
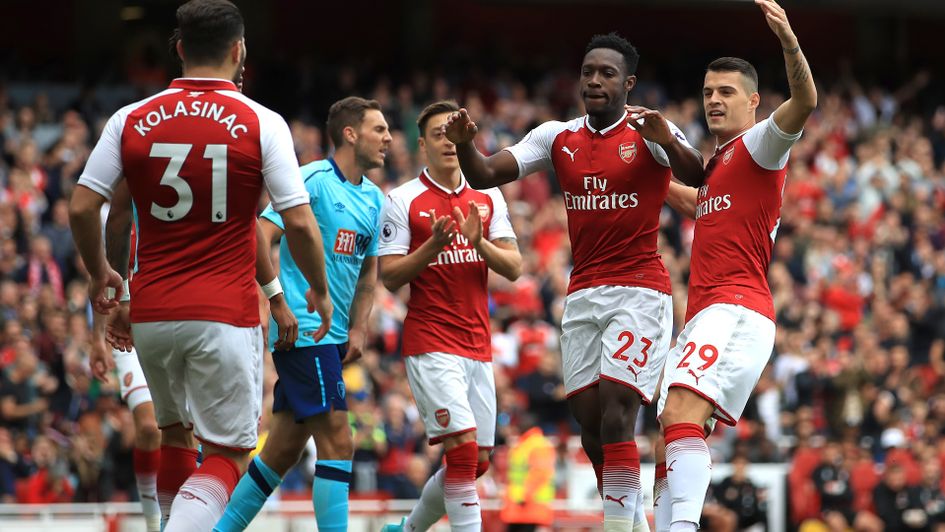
(177, 153)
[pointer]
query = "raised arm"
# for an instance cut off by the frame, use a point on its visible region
(480, 171)
(791, 114)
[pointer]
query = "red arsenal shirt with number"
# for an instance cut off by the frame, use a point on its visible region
(196, 157)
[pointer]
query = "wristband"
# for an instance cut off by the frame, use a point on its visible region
(125, 292)
(272, 288)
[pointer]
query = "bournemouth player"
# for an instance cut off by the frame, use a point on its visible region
(442, 237)
(614, 171)
(310, 394)
(729, 332)
(197, 157)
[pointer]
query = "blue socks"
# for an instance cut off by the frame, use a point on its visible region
(250, 495)
(330, 494)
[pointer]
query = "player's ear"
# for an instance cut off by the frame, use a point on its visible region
(630, 82)
(349, 134)
(754, 101)
(236, 51)
(421, 143)
(179, 46)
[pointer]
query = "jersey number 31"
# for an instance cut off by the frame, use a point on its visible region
(177, 153)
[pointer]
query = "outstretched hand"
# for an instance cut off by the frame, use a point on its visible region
(460, 128)
(778, 22)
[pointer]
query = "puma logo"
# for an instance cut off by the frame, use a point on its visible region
(656, 501)
(186, 495)
(569, 152)
(670, 468)
(635, 376)
(694, 376)
(618, 501)
(468, 504)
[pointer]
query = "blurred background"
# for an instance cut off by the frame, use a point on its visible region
(847, 424)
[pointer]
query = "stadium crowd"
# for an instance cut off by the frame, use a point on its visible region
(854, 395)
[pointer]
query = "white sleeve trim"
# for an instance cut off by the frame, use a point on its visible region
(103, 170)
(768, 145)
(533, 153)
(394, 238)
(500, 226)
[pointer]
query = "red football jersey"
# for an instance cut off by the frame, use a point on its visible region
(448, 310)
(196, 157)
(614, 183)
(738, 211)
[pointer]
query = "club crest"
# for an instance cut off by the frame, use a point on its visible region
(727, 156)
(483, 210)
(127, 379)
(443, 417)
(627, 152)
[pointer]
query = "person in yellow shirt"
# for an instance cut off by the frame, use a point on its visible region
(531, 487)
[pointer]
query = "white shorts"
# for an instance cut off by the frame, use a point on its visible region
(720, 355)
(134, 387)
(617, 333)
(213, 368)
(454, 394)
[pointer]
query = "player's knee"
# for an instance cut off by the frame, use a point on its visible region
(147, 434)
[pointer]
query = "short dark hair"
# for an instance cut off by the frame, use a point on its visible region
(435, 108)
(207, 29)
(347, 112)
(613, 40)
(735, 64)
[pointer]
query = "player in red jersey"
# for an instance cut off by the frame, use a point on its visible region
(197, 157)
(442, 237)
(614, 168)
(729, 332)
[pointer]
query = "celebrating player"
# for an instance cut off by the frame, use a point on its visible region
(310, 395)
(442, 237)
(729, 332)
(614, 172)
(196, 157)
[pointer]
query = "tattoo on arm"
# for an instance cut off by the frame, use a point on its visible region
(507, 240)
(792, 51)
(799, 71)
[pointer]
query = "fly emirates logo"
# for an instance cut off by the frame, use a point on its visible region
(459, 253)
(706, 204)
(597, 198)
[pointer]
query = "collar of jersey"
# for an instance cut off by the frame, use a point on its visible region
(440, 189)
(207, 84)
(606, 130)
(740, 135)
(341, 175)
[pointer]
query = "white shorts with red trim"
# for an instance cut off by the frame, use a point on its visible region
(205, 374)
(133, 386)
(720, 355)
(454, 395)
(617, 333)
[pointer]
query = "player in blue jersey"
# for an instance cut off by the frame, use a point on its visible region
(310, 395)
